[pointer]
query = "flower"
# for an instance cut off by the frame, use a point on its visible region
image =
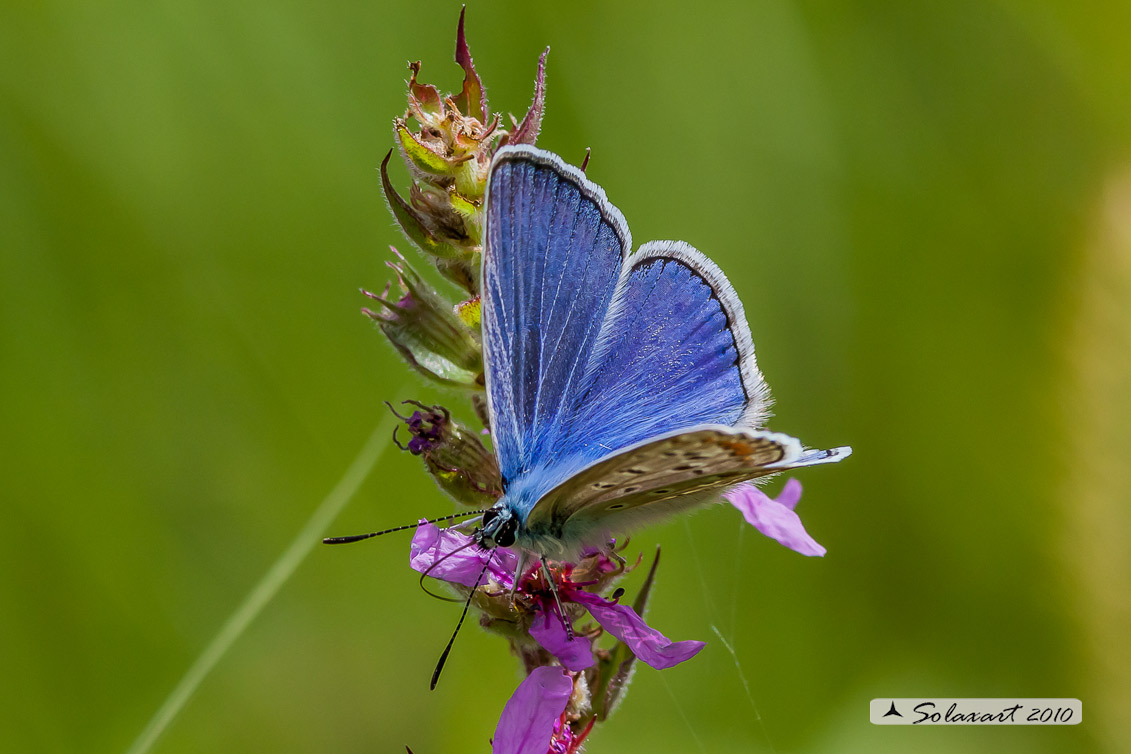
(775, 517)
(551, 616)
(531, 719)
(454, 557)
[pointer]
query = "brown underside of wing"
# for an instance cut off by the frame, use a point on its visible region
(684, 464)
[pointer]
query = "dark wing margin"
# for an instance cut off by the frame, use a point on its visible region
(755, 390)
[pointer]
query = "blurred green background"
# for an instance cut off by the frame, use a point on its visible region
(926, 208)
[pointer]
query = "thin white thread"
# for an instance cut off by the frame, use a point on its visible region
(737, 569)
(686, 719)
(745, 686)
(712, 614)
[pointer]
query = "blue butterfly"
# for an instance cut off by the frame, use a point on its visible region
(621, 387)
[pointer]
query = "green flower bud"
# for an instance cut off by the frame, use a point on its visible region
(425, 330)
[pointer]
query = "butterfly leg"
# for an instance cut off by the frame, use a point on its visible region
(523, 559)
(557, 600)
(618, 558)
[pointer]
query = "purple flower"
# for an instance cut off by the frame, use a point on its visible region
(451, 556)
(531, 721)
(775, 518)
(574, 653)
(646, 643)
(444, 554)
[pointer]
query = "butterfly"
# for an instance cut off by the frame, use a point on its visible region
(622, 387)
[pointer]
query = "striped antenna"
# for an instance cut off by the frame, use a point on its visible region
(448, 649)
(359, 537)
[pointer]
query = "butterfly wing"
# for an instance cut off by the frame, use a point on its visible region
(553, 255)
(590, 352)
(675, 352)
(662, 476)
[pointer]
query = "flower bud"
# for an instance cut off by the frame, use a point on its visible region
(453, 455)
(425, 330)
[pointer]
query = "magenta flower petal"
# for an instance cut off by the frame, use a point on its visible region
(790, 494)
(775, 518)
(547, 630)
(527, 722)
(648, 644)
(436, 549)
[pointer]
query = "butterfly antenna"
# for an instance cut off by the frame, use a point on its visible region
(557, 600)
(428, 571)
(448, 649)
(359, 537)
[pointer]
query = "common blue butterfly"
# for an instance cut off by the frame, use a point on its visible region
(621, 387)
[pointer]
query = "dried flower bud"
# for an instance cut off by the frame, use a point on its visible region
(425, 330)
(448, 159)
(453, 455)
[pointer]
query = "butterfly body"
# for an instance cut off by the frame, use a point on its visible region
(622, 387)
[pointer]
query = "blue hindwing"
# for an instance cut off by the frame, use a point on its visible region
(674, 353)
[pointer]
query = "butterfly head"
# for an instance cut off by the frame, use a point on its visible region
(500, 527)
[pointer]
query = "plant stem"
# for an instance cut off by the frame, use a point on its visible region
(267, 588)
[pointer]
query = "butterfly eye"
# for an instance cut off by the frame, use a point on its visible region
(489, 515)
(506, 535)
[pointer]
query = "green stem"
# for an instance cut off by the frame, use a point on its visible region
(267, 587)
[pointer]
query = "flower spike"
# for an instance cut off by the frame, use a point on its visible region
(576, 636)
(448, 158)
